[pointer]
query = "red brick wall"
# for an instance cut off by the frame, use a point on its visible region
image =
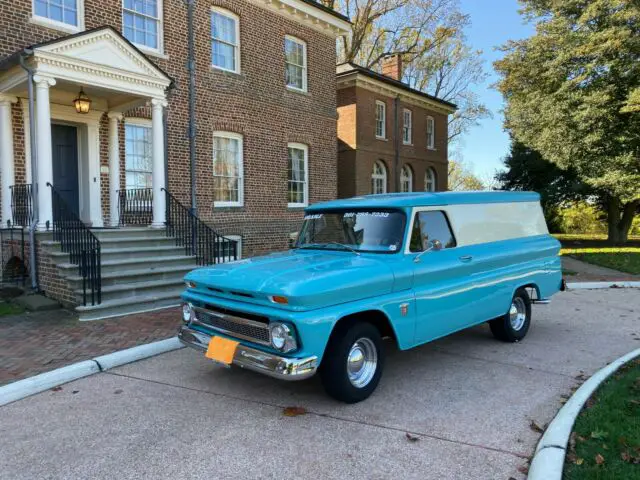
(359, 148)
(254, 103)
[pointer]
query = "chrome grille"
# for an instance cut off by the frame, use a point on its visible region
(233, 324)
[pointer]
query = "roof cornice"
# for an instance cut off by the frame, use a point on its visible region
(315, 17)
(359, 80)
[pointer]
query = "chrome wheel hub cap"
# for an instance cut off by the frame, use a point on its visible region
(362, 362)
(517, 313)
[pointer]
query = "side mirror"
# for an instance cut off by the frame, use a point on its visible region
(431, 245)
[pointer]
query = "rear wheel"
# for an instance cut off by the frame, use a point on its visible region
(352, 365)
(514, 325)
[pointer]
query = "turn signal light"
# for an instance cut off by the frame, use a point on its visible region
(280, 299)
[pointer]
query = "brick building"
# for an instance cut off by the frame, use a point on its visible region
(391, 138)
(265, 109)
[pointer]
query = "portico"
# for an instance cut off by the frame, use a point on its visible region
(117, 77)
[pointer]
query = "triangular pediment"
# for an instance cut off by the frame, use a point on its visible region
(104, 47)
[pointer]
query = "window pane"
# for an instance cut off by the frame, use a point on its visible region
(138, 157)
(41, 8)
(226, 169)
(55, 12)
(223, 28)
(431, 226)
(224, 55)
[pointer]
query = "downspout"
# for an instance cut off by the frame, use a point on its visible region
(191, 67)
(34, 171)
(396, 144)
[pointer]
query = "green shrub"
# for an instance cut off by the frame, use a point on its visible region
(577, 217)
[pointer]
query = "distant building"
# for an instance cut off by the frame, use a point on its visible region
(391, 137)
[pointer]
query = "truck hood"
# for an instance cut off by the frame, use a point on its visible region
(308, 278)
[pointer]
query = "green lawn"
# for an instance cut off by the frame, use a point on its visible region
(10, 309)
(606, 439)
(595, 249)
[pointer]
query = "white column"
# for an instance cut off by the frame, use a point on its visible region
(114, 166)
(157, 132)
(7, 167)
(43, 142)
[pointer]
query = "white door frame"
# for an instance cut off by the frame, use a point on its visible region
(89, 184)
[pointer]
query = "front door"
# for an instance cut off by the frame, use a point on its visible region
(65, 163)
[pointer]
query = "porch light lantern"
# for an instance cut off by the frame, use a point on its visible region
(82, 103)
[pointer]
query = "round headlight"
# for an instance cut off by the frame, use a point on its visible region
(186, 312)
(279, 336)
(282, 337)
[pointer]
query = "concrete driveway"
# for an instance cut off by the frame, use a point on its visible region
(468, 398)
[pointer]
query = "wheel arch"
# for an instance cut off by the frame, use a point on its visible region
(377, 318)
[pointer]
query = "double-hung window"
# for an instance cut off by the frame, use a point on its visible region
(295, 58)
(142, 23)
(65, 14)
(379, 178)
(138, 156)
(431, 133)
(298, 174)
(406, 126)
(406, 179)
(227, 169)
(225, 40)
(381, 119)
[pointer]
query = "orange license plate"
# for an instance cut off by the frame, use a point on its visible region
(221, 350)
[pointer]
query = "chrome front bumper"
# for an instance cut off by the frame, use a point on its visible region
(256, 360)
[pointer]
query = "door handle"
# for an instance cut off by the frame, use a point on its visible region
(466, 258)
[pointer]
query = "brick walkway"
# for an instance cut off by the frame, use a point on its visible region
(32, 343)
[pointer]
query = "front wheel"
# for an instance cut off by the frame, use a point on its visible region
(514, 325)
(352, 365)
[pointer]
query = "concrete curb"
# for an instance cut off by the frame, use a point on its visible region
(45, 381)
(597, 285)
(548, 460)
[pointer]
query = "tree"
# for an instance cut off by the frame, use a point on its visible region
(527, 170)
(461, 177)
(449, 71)
(381, 28)
(571, 94)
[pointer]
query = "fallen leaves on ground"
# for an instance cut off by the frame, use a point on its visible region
(599, 434)
(56, 389)
(294, 411)
(523, 469)
(411, 438)
(118, 391)
(599, 459)
(535, 427)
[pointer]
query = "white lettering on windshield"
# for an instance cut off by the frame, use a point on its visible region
(366, 214)
(315, 216)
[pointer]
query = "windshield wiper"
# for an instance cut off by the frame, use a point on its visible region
(324, 245)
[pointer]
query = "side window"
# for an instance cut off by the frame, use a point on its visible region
(432, 225)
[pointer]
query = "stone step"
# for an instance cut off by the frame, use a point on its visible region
(135, 242)
(115, 254)
(139, 232)
(131, 305)
(111, 266)
(133, 277)
(124, 291)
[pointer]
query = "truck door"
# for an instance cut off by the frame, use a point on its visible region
(442, 277)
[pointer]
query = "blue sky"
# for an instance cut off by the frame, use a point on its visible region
(493, 22)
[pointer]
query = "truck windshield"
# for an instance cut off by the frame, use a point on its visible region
(379, 231)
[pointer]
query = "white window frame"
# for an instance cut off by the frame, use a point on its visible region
(55, 24)
(239, 137)
(145, 48)
(304, 66)
(430, 172)
(408, 177)
(135, 122)
(383, 134)
(379, 176)
(407, 127)
(431, 133)
(305, 148)
(227, 13)
(236, 238)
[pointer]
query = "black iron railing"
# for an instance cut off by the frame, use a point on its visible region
(197, 238)
(82, 246)
(12, 259)
(21, 204)
(135, 206)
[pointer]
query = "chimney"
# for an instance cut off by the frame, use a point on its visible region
(392, 67)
